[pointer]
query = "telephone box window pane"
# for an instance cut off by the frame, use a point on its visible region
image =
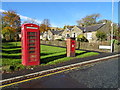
(31, 51)
(32, 33)
(31, 60)
(32, 44)
(32, 56)
(31, 41)
(32, 37)
(31, 48)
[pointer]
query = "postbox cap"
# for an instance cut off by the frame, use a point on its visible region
(71, 38)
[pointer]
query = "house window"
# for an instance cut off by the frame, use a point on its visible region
(73, 35)
(89, 35)
(68, 35)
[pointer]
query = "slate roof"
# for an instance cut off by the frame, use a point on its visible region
(90, 28)
(82, 28)
(55, 32)
(93, 28)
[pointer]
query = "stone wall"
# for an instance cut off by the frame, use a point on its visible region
(91, 46)
(55, 43)
(81, 45)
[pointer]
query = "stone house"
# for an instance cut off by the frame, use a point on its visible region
(72, 32)
(44, 35)
(89, 32)
(41, 35)
(53, 34)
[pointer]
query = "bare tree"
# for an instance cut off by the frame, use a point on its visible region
(45, 25)
(46, 22)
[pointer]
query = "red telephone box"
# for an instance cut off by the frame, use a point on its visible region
(70, 47)
(30, 38)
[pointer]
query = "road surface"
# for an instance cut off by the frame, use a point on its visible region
(99, 75)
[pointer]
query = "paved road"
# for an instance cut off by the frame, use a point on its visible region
(99, 75)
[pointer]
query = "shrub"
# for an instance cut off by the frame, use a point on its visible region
(3, 40)
(117, 42)
(12, 68)
(101, 35)
(82, 38)
(19, 66)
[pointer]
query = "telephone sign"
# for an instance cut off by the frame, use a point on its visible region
(30, 38)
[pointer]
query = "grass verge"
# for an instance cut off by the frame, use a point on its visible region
(11, 56)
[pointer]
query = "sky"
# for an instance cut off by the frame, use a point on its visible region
(60, 0)
(61, 13)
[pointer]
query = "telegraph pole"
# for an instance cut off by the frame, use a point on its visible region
(112, 27)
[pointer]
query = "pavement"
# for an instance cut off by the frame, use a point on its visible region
(43, 68)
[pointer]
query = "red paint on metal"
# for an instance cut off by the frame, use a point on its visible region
(30, 38)
(70, 47)
(73, 46)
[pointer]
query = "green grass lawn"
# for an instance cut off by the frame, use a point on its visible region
(11, 55)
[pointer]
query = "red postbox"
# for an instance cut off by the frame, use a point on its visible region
(30, 38)
(70, 47)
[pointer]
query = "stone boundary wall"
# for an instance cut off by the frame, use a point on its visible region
(80, 45)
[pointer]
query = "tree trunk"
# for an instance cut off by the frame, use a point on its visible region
(78, 44)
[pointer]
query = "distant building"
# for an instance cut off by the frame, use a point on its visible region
(89, 32)
(54, 34)
(73, 31)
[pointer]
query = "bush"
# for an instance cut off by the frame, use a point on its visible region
(12, 68)
(3, 40)
(101, 35)
(19, 66)
(82, 38)
(117, 42)
(16, 67)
